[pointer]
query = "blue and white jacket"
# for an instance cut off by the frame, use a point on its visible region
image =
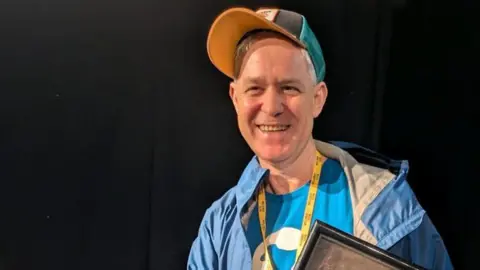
(386, 213)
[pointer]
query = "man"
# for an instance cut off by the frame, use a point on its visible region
(277, 89)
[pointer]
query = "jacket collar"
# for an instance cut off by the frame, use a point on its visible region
(365, 180)
(249, 181)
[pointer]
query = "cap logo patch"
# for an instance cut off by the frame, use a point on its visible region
(268, 14)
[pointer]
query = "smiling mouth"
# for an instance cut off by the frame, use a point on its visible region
(273, 128)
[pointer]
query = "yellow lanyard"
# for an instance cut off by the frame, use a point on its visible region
(307, 216)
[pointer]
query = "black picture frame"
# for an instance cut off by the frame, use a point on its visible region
(325, 242)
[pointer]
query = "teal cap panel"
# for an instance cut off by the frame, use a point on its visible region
(314, 50)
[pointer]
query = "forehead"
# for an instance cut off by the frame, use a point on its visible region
(274, 57)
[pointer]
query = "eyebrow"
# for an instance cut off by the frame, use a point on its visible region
(260, 80)
(255, 80)
(290, 81)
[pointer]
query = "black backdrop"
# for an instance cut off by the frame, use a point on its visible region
(117, 133)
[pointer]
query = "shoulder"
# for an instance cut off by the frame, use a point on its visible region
(386, 208)
(395, 217)
(206, 247)
(221, 214)
(217, 218)
(394, 211)
(222, 208)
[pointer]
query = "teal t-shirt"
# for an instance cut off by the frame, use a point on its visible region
(285, 214)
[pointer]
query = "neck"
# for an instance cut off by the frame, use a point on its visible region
(290, 174)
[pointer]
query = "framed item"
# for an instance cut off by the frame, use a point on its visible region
(330, 248)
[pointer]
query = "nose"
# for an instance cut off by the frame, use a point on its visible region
(272, 102)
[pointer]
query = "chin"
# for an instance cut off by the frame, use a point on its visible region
(272, 153)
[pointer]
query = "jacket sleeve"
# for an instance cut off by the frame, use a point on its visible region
(424, 247)
(203, 254)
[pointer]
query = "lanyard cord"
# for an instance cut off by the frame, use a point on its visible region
(307, 216)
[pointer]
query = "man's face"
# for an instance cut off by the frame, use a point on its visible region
(276, 99)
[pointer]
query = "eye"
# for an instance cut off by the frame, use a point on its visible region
(253, 89)
(290, 89)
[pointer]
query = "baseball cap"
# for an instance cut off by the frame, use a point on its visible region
(233, 24)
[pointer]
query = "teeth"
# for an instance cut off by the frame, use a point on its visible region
(272, 128)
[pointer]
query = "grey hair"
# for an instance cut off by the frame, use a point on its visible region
(310, 66)
(245, 45)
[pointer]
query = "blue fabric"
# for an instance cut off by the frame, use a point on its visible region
(395, 212)
(285, 214)
(424, 246)
(222, 243)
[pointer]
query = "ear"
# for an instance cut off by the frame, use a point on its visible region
(320, 97)
(233, 95)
